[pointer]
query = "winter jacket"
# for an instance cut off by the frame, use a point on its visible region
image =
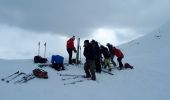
(89, 52)
(105, 52)
(110, 47)
(70, 44)
(117, 52)
(97, 50)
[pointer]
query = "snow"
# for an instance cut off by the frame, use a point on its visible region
(149, 80)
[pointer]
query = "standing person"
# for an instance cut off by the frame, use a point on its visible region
(110, 47)
(97, 56)
(71, 48)
(89, 66)
(118, 53)
(106, 55)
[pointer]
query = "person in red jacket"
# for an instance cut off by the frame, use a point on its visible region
(70, 48)
(118, 53)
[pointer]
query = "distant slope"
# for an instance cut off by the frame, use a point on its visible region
(150, 51)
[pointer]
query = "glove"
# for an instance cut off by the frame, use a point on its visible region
(75, 50)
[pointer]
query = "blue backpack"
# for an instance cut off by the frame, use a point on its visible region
(57, 59)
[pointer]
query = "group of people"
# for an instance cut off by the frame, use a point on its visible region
(96, 56)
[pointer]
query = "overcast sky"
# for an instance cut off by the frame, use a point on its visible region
(23, 23)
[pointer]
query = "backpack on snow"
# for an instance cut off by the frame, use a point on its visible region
(40, 73)
(57, 62)
(39, 59)
(127, 65)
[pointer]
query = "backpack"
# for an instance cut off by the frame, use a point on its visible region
(40, 73)
(127, 65)
(39, 59)
(57, 62)
(57, 59)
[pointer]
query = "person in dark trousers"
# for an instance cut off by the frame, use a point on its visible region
(70, 48)
(118, 53)
(97, 56)
(89, 66)
(110, 47)
(106, 55)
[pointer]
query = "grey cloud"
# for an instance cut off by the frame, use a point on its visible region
(81, 17)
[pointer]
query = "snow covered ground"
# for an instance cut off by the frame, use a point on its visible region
(149, 80)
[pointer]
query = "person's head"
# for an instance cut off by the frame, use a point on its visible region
(86, 42)
(73, 37)
(107, 44)
(93, 41)
(101, 46)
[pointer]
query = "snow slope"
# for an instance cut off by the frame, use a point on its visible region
(148, 81)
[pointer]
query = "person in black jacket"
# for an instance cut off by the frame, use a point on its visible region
(89, 66)
(106, 55)
(110, 47)
(97, 56)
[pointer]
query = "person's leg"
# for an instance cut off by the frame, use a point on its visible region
(112, 60)
(70, 55)
(105, 63)
(98, 65)
(86, 69)
(119, 59)
(108, 64)
(92, 69)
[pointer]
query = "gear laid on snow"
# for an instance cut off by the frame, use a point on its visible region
(40, 73)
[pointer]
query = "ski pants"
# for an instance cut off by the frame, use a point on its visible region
(98, 65)
(112, 60)
(70, 52)
(89, 68)
(119, 59)
(107, 62)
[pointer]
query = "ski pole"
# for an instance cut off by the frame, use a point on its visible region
(45, 49)
(15, 77)
(38, 48)
(9, 76)
(80, 54)
(25, 78)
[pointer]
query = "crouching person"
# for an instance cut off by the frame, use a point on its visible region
(57, 62)
(89, 66)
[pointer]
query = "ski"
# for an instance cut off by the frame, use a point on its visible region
(3, 79)
(44, 65)
(108, 72)
(73, 82)
(19, 74)
(25, 78)
(69, 78)
(69, 75)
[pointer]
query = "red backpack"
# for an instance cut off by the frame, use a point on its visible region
(40, 73)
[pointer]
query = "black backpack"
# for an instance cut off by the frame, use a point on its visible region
(39, 59)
